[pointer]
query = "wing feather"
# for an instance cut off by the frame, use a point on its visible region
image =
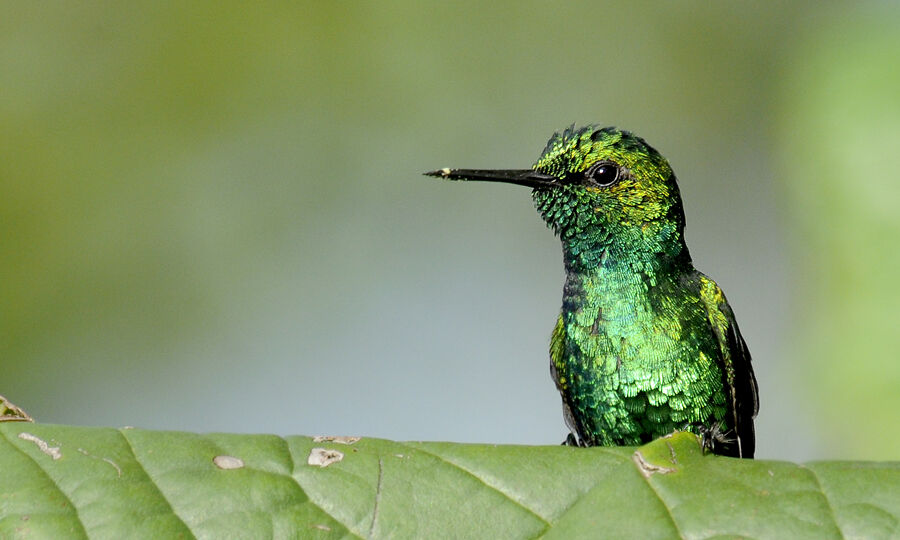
(738, 376)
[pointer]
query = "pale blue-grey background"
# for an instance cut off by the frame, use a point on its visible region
(213, 219)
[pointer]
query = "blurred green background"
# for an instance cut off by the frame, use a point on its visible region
(212, 215)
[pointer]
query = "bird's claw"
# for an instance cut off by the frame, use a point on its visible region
(571, 440)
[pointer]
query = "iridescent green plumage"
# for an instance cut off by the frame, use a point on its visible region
(645, 344)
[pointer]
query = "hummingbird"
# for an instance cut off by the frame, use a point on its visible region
(645, 344)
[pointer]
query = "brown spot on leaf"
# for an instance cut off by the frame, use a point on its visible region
(648, 469)
(334, 439)
(672, 453)
(323, 457)
(52, 451)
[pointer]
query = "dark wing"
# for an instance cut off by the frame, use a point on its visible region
(744, 391)
(740, 382)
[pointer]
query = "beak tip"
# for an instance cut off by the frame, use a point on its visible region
(441, 173)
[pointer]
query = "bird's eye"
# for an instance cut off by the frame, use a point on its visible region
(603, 174)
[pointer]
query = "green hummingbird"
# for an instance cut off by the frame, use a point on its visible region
(644, 344)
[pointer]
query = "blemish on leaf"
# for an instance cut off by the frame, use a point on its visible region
(321, 527)
(107, 460)
(649, 469)
(338, 440)
(228, 462)
(9, 412)
(377, 497)
(52, 451)
(113, 463)
(323, 457)
(672, 452)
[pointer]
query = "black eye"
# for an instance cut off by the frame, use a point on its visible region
(603, 174)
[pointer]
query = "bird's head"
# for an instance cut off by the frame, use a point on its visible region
(601, 190)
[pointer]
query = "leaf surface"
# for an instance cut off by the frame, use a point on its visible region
(117, 483)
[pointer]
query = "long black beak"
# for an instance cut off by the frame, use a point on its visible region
(522, 177)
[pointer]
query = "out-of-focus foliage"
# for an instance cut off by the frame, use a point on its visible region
(840, 129)
(212, 216)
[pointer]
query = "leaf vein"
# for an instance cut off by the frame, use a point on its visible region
(377, 496)
(52, 481)
(153, 481)
(509, 496)
(293, 469)
(662, 501)
(824, 496)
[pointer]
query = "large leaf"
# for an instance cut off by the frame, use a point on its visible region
(70, 482)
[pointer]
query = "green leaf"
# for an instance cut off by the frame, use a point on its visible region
(76, 482)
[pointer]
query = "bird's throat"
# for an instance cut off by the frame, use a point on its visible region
(619, 278)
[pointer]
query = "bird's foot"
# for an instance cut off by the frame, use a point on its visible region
(571, 440)
(712, 437)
